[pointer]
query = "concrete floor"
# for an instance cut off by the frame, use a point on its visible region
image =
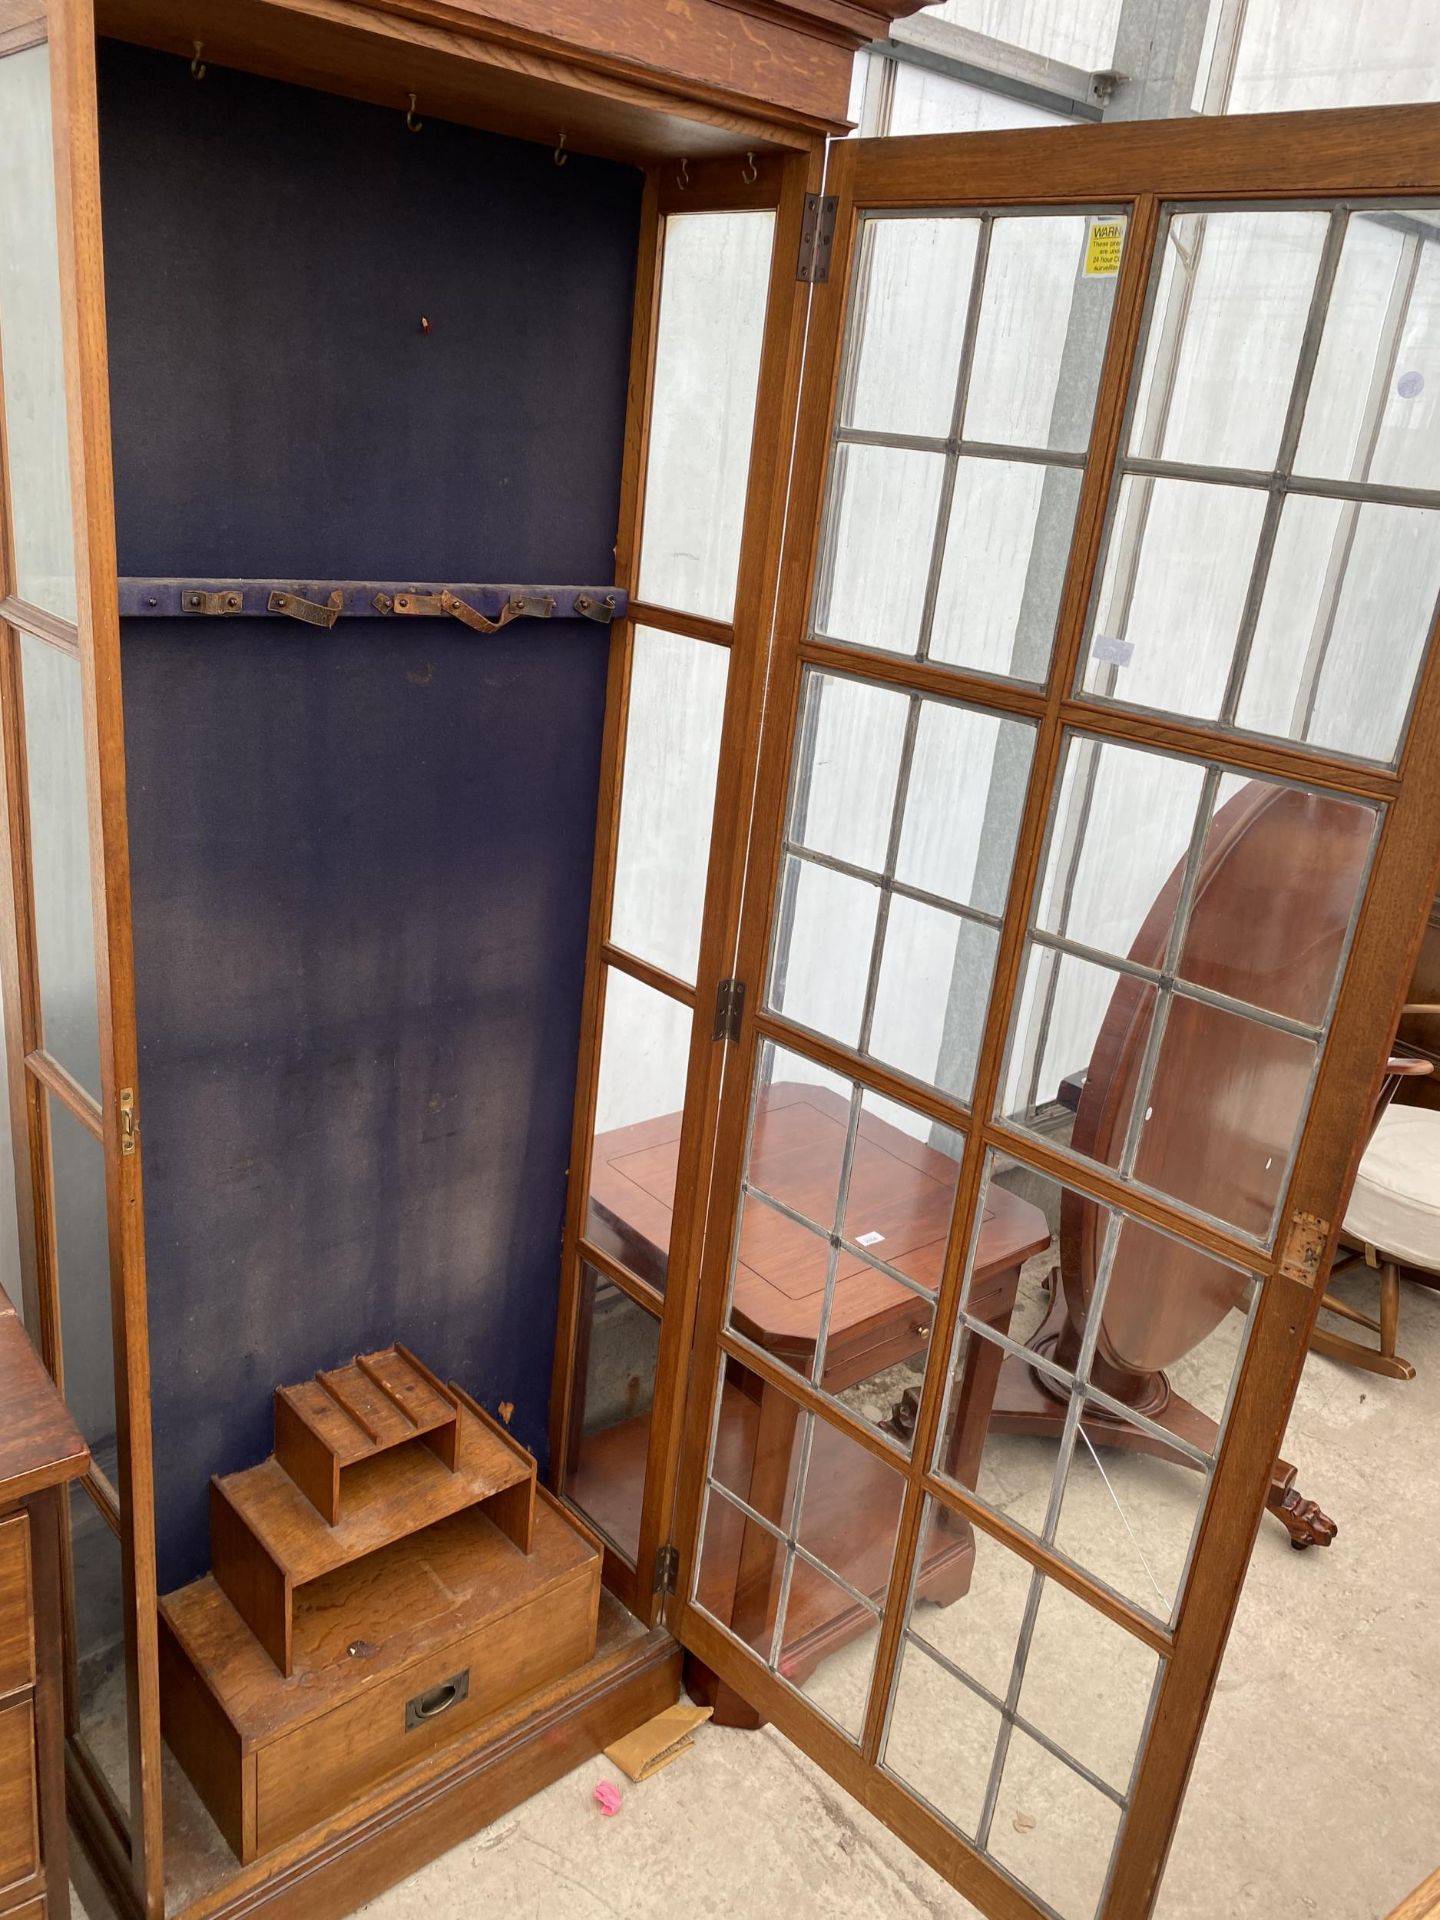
(1314, 1792)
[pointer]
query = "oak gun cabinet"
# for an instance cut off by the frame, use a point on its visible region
(547, 605)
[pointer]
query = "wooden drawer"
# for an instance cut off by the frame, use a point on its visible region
(320, 1767)
(17, 1646)
(19, 1830)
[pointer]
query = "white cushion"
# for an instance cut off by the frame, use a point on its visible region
(1395, 1207)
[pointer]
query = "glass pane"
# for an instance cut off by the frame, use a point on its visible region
(1371, 413)
(667, 798)
(99, 1645)
(1044, 321)
(1052, 1829)
(30, 341)
(715, 279)
(1352, 53)
(1349, 603)
(1006, 549)
(911, 300)
(1231, 320)
(1072, 1308)
(1177, 570)
(797, 1544)
(880, 538)
(82, 1258)
(60, 858)
(904, 812)
(1207, 882)
(845, 1217)
(644, 1052)
(999, 1665)
(613, 1387)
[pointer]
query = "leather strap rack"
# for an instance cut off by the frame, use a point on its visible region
(484, 608)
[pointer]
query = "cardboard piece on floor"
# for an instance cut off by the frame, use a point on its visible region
(659, 1741)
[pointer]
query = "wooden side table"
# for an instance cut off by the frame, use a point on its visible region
(901, 1191)
(40, 1452)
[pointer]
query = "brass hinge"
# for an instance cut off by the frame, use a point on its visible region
(817, 237)
(127, 1120)
(667, 1568)
(1304, 1248)
(729, 1009)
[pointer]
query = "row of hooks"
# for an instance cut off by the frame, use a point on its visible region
(749, 173)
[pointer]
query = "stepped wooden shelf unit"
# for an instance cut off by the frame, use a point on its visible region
(320, 1657)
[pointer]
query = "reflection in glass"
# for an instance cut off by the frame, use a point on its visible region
(955, 549)
(1192, 924)
(98, 1651)
(1041, 338)
(617, 1345)
(912, 296)
(797, 1544)
(1285, 351)
(644, 1053)
(667, 797)
(1247, 280)
(845, 1216)
(1090, 1382)
(1177, 571)
(714, 284)
(82, 1260)
(60, 857)
(876, 563)
(904, 812)
(1018, 1715)
(1007, 545)
(37, 447)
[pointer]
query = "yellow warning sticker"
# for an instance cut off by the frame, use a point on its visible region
(1103, 246)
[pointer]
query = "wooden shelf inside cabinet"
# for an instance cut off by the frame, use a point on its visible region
(423, 1454)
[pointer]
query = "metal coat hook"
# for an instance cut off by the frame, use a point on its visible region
(749, 173)
(411, 121)
(198, 69)
(683, 176)
(561, 156)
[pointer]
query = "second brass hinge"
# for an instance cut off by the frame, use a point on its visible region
(667, 1568)
(127, 1120)
(817, 237)
(729, 1009)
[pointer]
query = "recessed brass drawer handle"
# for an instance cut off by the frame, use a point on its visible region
(436, 1700)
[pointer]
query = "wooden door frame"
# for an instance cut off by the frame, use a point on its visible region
(127, 1840)
(780, 185)
(1371, 153)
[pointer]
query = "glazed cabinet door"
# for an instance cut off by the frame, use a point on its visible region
(714, 367)
(69, 1011)
(1098, 812)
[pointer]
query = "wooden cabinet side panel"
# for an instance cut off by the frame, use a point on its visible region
(205, 1743)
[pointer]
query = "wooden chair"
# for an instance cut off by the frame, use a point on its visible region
(1274, 891)
(1392, 1217)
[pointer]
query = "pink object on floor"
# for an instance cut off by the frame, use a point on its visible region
(607, 1796)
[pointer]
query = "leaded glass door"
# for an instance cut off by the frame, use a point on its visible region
(1097, 820)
